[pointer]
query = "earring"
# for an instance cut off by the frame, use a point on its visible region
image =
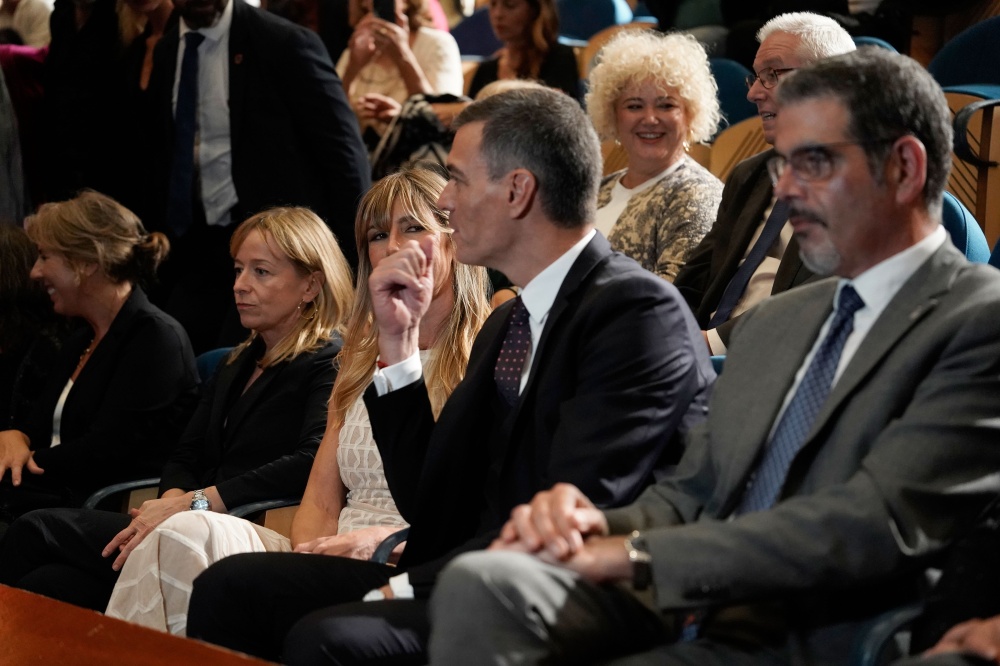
(303, 307)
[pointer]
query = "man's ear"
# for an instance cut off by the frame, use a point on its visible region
(907, 169)
(521, 192)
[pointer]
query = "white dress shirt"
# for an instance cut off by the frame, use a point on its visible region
(213, 145)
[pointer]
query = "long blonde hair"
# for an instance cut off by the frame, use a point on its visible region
(416, 190)
(310, 245)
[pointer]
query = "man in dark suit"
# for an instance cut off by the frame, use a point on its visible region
(261, 120)
(615, 368)
(712, 279)
(851, 438)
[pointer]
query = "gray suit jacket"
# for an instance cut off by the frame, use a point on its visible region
(902, 458)
(712, 264)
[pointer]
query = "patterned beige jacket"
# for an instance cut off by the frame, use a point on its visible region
(661, 225)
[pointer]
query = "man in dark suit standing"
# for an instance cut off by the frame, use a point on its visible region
(587, 377)
(851, 438)
(249, 114)
(750, 252)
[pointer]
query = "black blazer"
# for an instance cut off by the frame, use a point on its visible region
(127, 407)
(295, 139)
(620, 371)
(259, 444)
(712, 264)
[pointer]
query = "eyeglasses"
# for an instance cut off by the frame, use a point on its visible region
(768, 76)
(812, 163)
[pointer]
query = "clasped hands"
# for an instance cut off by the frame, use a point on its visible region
(562, 527)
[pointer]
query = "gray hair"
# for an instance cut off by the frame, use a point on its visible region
(888, 96)
(546, 132)
(821, 36)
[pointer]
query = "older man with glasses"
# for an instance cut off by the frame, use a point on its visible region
(850, 441)
(750, 253)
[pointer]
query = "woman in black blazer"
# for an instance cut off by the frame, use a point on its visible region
(123, 385)
(255, 431)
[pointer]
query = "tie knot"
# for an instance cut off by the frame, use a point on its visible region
(193, 40)
(519, 313)
(849, 302)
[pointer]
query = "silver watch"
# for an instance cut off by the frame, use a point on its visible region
(199, 502)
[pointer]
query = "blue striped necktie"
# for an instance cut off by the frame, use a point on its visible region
(766, 482)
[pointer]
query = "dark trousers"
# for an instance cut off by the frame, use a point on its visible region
(57, 553)
(252, 602)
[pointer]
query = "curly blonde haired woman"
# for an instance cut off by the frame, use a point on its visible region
(655, 95)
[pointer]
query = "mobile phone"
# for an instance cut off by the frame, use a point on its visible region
(385, 9)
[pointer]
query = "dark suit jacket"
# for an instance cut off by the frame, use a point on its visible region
(619, 371)
(902, 458)
(127, 407)
(294, 136)
(260, 444)
(712, 264)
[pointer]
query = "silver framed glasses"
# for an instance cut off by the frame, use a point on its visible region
(814, 162)
(768, 76)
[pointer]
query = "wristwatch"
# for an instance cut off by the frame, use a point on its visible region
(199, 502)
(642, 561)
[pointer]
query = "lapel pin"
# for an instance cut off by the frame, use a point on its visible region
(238, 58)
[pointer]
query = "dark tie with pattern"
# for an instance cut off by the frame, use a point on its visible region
(510, 361)
(798, 419)
(741, 278)
(180, 203)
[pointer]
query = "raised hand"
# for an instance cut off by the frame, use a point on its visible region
(401, 286)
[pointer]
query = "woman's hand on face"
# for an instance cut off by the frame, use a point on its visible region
(362, 45)
(374, 106)
(144, 520)
(402, 287)
(390, 38)
(359, 544)
(15, 455)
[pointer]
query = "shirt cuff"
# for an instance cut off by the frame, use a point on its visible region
(400, 586)
(715, 343)
(397, 376)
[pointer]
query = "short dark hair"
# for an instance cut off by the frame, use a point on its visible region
(546, 132)
(888, 96)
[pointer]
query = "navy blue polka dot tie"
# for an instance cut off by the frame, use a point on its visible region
(797, 421)
(516, 345)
